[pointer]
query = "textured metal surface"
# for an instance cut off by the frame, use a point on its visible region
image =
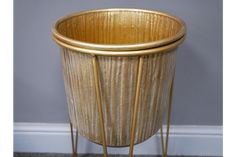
(111, 100)
(118, 83)
(100, 31)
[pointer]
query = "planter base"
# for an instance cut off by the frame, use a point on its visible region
(164, 141)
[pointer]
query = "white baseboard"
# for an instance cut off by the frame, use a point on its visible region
(184, 140)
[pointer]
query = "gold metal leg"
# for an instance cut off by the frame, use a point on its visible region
(162, 143)
(165, 145)
(74, 142)
(99, 101)
(136, 102)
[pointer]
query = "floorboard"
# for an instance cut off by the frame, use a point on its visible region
(84, 155)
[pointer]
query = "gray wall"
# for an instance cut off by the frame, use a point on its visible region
(38, 83)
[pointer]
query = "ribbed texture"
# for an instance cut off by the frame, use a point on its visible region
(119, 27)
(118, 77)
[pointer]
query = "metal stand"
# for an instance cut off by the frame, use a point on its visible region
(134, 118)
(165, 145)
(74, 142)
(136, 102)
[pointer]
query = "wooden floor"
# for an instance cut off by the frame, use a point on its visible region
(81, 155)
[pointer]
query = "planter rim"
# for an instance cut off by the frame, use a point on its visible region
(94, 52)
(112, 49)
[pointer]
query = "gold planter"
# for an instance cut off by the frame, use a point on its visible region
(119, 67)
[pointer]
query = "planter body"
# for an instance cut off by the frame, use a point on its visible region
(118, 74)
